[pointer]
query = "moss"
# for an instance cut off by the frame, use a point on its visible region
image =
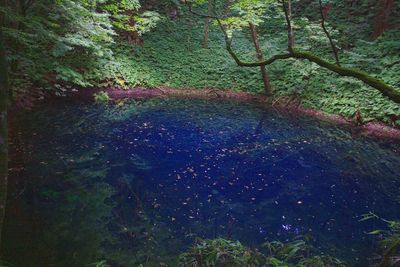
(385, 89)
(381, 86)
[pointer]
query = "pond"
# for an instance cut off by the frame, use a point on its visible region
(138, 181)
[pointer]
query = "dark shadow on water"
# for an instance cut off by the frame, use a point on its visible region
(137, 183)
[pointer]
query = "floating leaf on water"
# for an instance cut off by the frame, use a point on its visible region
(375, 232)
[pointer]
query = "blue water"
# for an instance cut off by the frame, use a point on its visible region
(136, 183)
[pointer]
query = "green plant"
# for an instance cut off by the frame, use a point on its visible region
(101, 97)
(297, 253)
(390, 240)
(101, 263)
(220, 252)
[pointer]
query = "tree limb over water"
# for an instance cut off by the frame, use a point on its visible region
(385, 89)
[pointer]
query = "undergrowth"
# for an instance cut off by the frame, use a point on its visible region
(172, 56)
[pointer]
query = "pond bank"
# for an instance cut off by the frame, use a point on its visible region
(143, 93)
(374, 129)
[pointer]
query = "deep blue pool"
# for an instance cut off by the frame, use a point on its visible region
(136, 183)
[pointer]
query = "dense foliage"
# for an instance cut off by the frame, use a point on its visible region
(63, 44)
(221, 252)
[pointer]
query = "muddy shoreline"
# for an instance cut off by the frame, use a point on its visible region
(373, 129)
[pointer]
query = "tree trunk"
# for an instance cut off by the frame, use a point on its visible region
(132, 37)
(3, 128)
(207, 25)
(288, 17)
(264, 74)
(382, 22)
(290, 32)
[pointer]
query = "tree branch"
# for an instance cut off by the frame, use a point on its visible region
(334, 48)
(378, 84)
(385, 89)
(288, 15)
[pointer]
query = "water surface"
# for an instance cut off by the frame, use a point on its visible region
(136, 183)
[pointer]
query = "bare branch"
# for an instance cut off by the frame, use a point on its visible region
(334, 48)
(288, 15)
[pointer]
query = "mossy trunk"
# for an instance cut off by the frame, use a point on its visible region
(385, 89)
(382, 87)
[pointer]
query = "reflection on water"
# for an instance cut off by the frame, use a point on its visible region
(136, 183)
